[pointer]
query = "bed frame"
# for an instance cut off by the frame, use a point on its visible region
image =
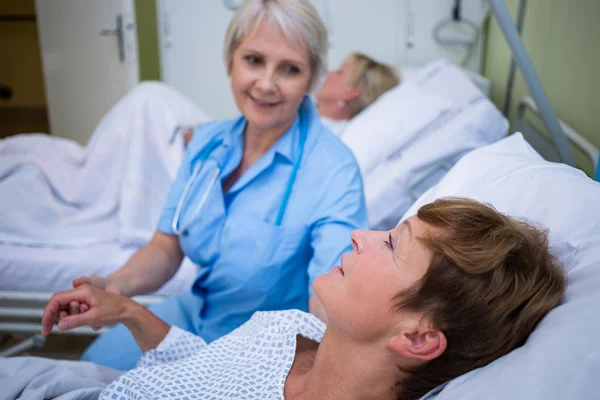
(542, 143)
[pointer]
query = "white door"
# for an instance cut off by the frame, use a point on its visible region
(192, 34)
(89, 56)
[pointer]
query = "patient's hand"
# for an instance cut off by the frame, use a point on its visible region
(101, 283)
(98, 308)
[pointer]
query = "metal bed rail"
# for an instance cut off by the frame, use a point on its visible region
(543, 145)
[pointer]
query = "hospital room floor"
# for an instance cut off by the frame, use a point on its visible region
(61, 347)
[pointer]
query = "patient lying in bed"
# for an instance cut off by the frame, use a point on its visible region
(352, 88)
(447, 291)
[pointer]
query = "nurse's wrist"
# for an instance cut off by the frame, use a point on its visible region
(116, 285)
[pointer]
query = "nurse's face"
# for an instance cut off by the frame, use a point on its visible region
(269, 77)
(358, 296)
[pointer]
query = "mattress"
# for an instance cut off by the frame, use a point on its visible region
(45, 269)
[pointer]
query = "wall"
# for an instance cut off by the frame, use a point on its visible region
(562, 40)
(148, 53)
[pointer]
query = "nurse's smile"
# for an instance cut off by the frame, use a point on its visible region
(264, 104)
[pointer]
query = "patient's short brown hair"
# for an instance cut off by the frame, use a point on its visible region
(490, 282)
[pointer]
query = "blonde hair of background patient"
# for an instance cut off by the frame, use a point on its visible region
(371, 77)
(299, 22)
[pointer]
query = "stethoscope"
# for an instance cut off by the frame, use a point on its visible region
(213, 178)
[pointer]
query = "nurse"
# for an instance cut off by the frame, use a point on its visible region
(263, 203)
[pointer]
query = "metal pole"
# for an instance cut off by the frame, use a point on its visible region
(532, 80)
(37, 341)
(513, 66)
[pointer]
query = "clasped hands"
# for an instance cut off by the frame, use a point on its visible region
(92, 302)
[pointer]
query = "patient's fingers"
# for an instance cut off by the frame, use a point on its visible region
(75, 321)
(60, 302)
(62, 314)
(84, 307)
(74, 308)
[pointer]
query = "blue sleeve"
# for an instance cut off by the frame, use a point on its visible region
(202, 136)
(341, 211)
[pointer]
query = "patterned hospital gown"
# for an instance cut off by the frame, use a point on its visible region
(251, 362)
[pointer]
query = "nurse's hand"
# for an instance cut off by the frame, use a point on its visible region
(102, 309)
(101, 283)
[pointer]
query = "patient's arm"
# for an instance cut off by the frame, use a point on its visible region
(149, 268)
(104, 309)
(177, 345)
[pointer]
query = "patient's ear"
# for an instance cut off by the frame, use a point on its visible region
(424, 344)
(351, 94)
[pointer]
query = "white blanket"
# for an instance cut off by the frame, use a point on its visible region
(55, 193)
(35, 378)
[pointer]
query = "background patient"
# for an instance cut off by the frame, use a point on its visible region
(446, 291)
(352, 88)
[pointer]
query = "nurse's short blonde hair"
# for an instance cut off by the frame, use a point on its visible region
(371, 77)
(297, 19)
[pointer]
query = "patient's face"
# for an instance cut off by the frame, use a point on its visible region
(269, 77)
(358, 298)
(337, 84)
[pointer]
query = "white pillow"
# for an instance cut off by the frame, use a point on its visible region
(394, 184)
(391, 122)
(447, 80)
(561, 359)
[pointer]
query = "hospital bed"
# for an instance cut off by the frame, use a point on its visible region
(561, 359)
(525, 122)
(147, 158)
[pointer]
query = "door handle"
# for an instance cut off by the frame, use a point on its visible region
(118, 32)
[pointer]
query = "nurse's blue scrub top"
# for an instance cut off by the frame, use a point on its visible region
(247, 263)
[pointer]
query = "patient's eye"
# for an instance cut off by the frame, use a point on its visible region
(253, 60)
(388, 242)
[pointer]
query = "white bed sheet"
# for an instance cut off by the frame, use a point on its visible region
(72, 211)
(45, 269)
